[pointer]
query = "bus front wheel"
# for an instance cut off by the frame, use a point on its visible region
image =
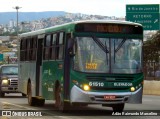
(59, 103)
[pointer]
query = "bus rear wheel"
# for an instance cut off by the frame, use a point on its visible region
(34, 101)
(59, 103)
(29, 93)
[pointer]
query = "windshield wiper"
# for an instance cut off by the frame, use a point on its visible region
(100, 44)
(103, 47)
(118, 47)
(106, 52)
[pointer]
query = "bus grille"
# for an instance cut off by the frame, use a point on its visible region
(109, 88)
(13, 81)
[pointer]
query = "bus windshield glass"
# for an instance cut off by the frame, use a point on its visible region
(126, 55)
(107, 55)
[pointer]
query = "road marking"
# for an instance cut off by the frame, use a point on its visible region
(7, 103)
(5, 106)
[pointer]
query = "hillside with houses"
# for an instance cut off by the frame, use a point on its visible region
(27, 25)
(8, 31)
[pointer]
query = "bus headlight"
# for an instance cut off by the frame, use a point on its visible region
(132, 89)
(86, 87)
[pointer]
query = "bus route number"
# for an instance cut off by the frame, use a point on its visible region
(91, 66)
(96, 84)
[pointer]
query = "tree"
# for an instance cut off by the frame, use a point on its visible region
(151, 48)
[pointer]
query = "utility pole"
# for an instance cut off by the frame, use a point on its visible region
(17, 8)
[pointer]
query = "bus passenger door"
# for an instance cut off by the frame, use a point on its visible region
(38, 65)
(67, 68)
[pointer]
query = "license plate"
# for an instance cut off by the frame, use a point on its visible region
(109, 97)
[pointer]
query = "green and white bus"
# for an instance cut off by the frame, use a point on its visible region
(76, 64)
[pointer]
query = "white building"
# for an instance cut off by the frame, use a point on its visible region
(11, 23)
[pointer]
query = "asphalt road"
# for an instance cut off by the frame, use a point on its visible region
(17, 104)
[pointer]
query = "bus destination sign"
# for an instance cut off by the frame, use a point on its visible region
(108, 28)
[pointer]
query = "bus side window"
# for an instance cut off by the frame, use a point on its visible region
(60, 47)
(23, 50)
(31, 49)
(27, 49)
(34, 48)
(47, 44)
(53, 47)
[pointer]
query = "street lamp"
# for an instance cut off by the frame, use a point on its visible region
(17, 8)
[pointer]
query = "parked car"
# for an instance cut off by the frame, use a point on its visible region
(8, 79)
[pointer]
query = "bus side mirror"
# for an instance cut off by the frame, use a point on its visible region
(70, 47)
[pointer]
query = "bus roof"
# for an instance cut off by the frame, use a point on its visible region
(107, 21)
(71, 24)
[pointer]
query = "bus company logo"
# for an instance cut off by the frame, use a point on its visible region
(21, 113)
(6, 113)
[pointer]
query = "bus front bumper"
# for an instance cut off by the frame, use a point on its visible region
(80, 96)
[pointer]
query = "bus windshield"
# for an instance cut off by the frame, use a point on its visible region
(107, 55)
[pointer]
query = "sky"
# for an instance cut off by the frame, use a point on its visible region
(91, 7)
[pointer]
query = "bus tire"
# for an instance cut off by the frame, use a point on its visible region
(31, 101)
(59, 103)
(118, 107)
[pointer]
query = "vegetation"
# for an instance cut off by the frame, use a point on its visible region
(151, 57)
(151, 48)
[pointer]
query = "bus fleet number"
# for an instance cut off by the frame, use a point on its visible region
(98, 84)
